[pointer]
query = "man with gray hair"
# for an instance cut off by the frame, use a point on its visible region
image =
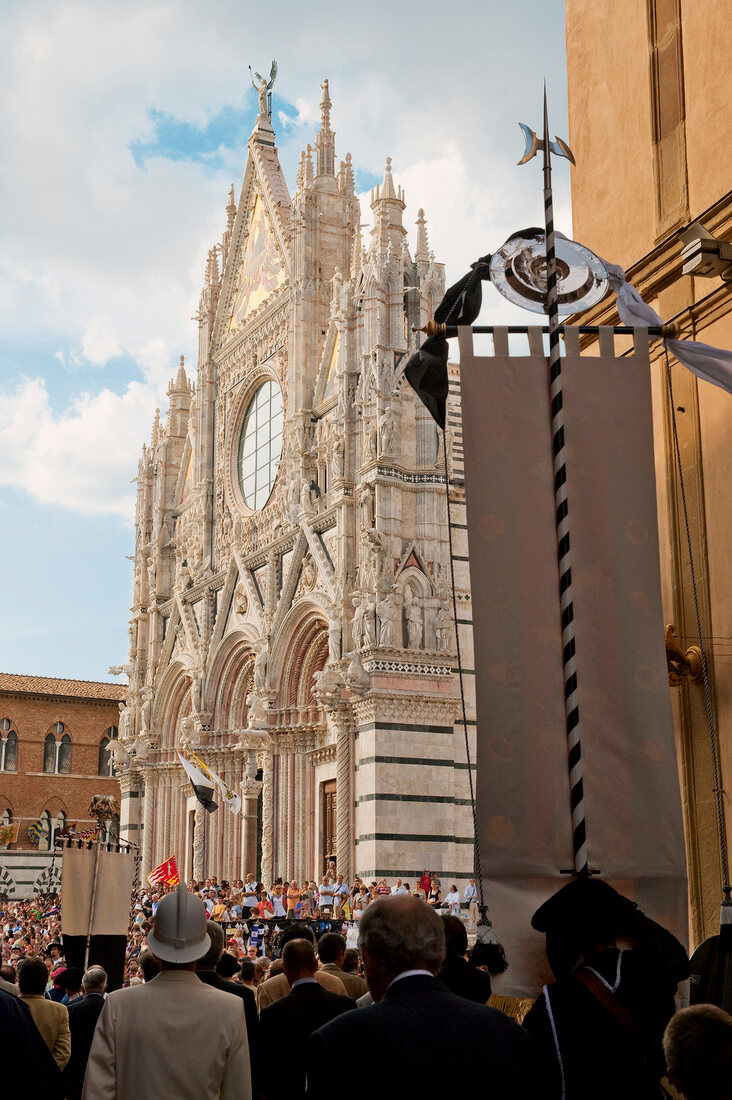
(477, 1049)
(83, 1016)
(697, 1045)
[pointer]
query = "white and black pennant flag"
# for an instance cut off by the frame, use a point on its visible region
(203, 785)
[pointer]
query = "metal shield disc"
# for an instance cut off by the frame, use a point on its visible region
(518, 270)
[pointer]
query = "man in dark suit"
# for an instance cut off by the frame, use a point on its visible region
(206, 971)
(287, 1023)
(456, 972)
(28, 1068)
(478, 1050)
(83, 1016)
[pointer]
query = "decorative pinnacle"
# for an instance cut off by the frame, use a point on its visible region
(387, 188)
(325, 106)
(422, 251)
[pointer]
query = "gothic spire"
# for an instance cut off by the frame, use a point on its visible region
(325, 141)
(387, 204)
(422, 251)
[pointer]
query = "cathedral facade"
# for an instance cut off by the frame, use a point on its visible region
(292, 618)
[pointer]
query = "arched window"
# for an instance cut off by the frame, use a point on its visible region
(57, 754)
(6, 818)
(64, 755)
(49, 754)
(44, 839)
(106, 760)
(59, 822)
(8, 746)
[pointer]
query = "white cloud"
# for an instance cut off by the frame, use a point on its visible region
(99, 343)
(82, 460)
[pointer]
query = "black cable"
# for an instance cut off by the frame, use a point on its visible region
(479, 873)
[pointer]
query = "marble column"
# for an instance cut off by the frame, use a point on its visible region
(199, 826)
(266, 763)
(343, 723)
(148, 823)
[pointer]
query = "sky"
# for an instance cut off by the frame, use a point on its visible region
(123, 124)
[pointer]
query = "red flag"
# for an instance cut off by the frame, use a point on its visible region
(167, 872)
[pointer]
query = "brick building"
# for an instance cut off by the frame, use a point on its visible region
(54, 756)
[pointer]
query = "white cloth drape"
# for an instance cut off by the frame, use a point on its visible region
(711, 364)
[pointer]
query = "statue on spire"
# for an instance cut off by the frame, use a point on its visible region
(263, 87)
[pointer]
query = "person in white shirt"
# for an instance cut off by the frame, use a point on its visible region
(326, 891)
(400, 888)
(452, 901)
(250, 893)
(471, 898)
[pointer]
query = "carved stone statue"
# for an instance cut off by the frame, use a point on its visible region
(386, 613)
(260, 667)
(126, 724)
(308, 573)
(256, 711)
(118, 752)
(414, 621)
(367, 507)
(369, 620)
(443, 622)
(357, 626)
(187, 727)
(262, 87)
(334, 635)
(117, 670)
(337, 458)
(371, 441)
(356, 677)
(145, 713)
(386, 432)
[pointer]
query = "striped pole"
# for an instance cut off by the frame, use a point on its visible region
(579, 833)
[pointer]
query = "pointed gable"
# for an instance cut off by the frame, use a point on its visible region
(258, 260)
(262, 269)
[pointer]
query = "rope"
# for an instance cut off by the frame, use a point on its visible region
(705, 670)
(478, 871)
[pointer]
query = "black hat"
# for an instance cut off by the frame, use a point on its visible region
(585, 902)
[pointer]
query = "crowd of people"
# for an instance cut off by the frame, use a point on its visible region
(215, 994)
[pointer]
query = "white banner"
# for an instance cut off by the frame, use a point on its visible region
(632, 801)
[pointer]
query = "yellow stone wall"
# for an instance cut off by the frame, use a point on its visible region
(650, 122)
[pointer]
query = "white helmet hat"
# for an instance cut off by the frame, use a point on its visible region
(179, 932)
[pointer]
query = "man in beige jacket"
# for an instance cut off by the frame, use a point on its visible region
(50, 1017)
(173, 1036)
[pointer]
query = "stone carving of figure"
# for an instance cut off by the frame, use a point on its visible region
(371, 440)
(185, 737)
(256, 711)
(369, 621)
(366, 502)
(306, 499)
(386, 613)
(147, 696)
(126, 724)
(151, 575)
(337, 458)
(359, 611)
(414, 621)
(118, 752)
(262, 86)
(334, 635)
(308, 573)
(386, 432)
(443, 621)
(241, 602)
(260, 667)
